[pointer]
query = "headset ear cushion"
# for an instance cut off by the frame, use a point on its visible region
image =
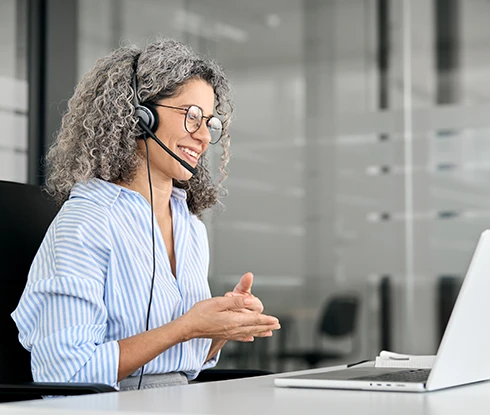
(156, 119)
(148, 114)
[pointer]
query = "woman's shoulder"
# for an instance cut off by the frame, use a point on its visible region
(81, 222)
(79, 219)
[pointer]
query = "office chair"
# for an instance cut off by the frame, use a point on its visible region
(337, 322)
(25, 214)
(448, 287)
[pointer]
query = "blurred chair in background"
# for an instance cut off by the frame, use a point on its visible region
(448, 287)
(256, 354)
(337, 325)
(385, 299)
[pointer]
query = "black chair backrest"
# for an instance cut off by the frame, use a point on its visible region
(339, 316)
(25, 214)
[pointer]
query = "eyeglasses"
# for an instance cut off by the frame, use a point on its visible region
(193, 120)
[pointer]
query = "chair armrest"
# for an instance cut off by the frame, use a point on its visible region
(212, 375)
(35, 390)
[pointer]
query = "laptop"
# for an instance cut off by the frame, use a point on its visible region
(463, 356)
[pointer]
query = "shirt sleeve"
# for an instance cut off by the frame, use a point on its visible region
(212, 362)
(61, 316)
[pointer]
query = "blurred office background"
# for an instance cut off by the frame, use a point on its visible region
(361, 150)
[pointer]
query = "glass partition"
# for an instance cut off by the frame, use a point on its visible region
(14, 87)
(358, 166)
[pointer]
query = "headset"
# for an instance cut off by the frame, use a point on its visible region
(148, 120)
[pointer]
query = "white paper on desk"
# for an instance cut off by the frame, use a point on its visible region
(391, 359)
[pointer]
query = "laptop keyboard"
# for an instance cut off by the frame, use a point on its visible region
(412, 375)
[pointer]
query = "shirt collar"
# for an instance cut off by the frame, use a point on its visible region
(180, 194)
(100, 191)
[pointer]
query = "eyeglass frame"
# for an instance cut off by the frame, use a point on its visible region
(208, 117)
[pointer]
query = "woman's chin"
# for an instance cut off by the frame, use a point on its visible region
(183, 175)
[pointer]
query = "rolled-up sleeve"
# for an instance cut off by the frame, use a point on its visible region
(61, 316)
(212, 362)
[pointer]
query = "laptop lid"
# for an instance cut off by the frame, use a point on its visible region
(463, 355)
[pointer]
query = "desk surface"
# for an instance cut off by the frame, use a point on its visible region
(259, 396)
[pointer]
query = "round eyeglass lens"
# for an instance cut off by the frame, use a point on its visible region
(193, 119)
(215, 128)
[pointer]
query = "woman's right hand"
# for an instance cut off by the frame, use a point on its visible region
(228, 318)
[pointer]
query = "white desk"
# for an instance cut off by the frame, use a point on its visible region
(259, 396)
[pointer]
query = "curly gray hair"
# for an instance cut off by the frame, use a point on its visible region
(98, 133)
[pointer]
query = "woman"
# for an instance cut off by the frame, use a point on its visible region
(118, 291)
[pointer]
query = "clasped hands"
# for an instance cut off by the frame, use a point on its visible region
(235, 316)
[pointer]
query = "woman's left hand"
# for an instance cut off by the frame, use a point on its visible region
(244, 288)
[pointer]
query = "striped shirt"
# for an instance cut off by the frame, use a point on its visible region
(89, 286)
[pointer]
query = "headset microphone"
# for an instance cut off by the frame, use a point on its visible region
(148, 131)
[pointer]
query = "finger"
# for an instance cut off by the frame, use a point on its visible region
(244, 286)
(255, 305)
(264, 329)
(231, 294)
(254, 331)
(267, 333)
(246, 339)
(259, 320)
(235, 302)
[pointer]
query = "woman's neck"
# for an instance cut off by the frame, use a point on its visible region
(162, 190)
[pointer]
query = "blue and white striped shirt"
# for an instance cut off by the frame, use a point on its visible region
(89, 286)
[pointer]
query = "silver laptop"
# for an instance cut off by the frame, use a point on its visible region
(463, 356)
